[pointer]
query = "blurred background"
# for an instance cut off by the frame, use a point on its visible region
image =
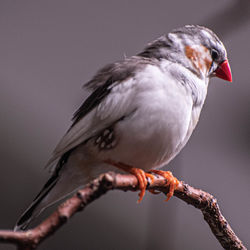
(49, 48)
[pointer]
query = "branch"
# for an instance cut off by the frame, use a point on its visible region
(30, 239)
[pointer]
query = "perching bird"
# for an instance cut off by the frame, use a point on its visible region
(140, 113)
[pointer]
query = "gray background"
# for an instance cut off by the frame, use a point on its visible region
(49, 48)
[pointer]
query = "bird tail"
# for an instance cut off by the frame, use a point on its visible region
(67, 177)
(36, 206)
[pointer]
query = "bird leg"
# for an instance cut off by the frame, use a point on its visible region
(138, 173)
(172, 182)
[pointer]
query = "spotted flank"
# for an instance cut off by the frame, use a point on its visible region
(106, 139)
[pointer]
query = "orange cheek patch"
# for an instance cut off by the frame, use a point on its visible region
(200, 58)
(190, 52)
(207, 58)
(194, 56)
(208, 64)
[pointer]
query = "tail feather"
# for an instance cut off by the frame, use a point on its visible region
(32, 211)
(36, 206)
(70, 174)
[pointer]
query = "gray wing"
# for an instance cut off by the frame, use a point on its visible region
(104, 105)
(112, 89)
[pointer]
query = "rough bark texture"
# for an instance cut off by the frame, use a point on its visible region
(204, 201)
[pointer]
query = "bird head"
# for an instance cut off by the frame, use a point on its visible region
(195, 47)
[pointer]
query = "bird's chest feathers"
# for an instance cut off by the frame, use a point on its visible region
(161, 120)
(164, 105)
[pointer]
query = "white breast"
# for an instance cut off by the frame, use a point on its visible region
(151, 136)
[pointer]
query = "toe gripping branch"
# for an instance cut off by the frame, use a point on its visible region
(142, 176)
(172, 181)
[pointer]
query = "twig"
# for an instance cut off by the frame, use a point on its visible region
(30, 239)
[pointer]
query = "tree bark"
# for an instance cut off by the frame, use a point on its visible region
(205, 202)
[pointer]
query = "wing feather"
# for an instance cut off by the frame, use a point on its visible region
(105, 105)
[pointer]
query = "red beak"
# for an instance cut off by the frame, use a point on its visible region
(223, 71)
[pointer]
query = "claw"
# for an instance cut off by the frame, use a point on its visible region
(142, 176)
(142, 181)
(138, 173)
(172, 182)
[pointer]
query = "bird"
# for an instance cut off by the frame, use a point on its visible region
(139, 114)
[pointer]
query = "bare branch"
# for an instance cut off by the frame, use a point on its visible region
(204, 201)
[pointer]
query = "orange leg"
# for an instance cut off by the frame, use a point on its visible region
(138, 173)
(172, 182)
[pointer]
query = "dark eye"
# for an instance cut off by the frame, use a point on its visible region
(214, 54)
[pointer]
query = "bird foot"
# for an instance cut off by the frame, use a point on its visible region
(142, 180)
(172, 182)
(141, 176)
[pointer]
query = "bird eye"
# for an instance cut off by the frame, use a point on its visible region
(214, 54)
